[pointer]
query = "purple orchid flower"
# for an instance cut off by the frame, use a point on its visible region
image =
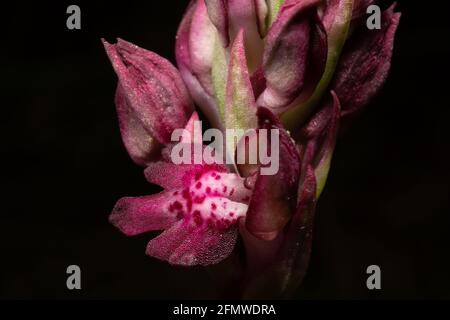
(298, 66)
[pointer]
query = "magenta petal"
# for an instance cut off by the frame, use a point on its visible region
(186, 244)
(142, 214)
(365, 64)
(295, 43)
(151, 91)
(274, 196)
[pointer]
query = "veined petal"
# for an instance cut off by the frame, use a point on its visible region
(294, 44)
(336, 19)
(365, 64)
(274, 196)
(150, 92)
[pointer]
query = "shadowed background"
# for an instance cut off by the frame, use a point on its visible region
(64, 166)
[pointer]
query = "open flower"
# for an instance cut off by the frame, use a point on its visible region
(301, 67)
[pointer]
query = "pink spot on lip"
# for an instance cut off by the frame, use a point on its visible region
(213, 206)
(208, 190)
(231, 192)
(198, 185)
(231, 214)
(224, 189)
(218, 177)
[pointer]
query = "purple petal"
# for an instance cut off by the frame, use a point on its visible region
(295, 54)
(365, 64)
(274, 196)
(151, 91)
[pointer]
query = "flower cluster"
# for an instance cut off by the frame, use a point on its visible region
(303, 67)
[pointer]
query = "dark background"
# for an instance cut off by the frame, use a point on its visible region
(64, 166)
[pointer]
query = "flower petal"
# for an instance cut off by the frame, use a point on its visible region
(336, 19)
(295, 54)
(318, 139)
(240, 107)
(274, 7)
(201, 39)
(293, 259)
(185, 244)
(151, 91)
(203, 99)
(365, 64)
(360, 9)
(140, 144)
(137, 215)
(277, 267)
(218, 14)
(274, 196)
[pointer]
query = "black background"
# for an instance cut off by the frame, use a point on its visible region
(64, 166)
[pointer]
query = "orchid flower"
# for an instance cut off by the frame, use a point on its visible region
(302, 67)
